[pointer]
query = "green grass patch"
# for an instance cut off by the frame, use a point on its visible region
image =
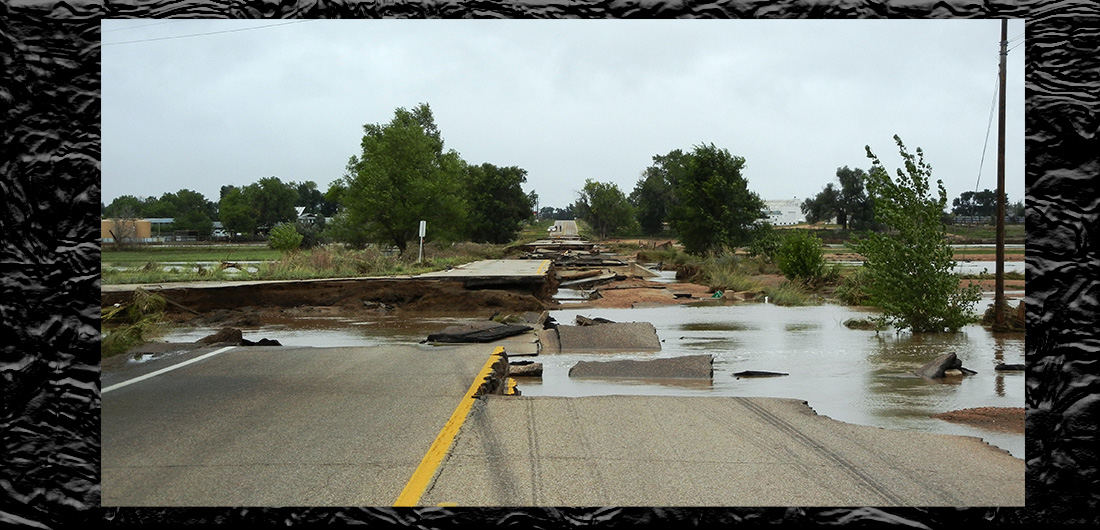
(153, 272)
(188, 254)
(789, 293)
(316, 263)
(1011, 275)
(1012, 231)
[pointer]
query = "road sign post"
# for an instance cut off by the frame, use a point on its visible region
(423, 230)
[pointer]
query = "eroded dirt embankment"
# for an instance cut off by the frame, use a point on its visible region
(338, 297)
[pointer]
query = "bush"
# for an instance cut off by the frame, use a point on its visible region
(788, 294)
(765, 242)
(853, 288)
(285, 237)
(800, 257)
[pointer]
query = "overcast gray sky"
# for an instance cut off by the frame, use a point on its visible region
(196, 104)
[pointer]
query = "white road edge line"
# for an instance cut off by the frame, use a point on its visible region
(169, 369)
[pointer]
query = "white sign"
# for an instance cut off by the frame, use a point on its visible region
(423, 228)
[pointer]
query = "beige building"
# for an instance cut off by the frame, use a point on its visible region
(133, 230)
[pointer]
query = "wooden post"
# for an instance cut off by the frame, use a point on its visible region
(998, 300)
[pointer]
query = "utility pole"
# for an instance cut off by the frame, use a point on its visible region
(998, 300)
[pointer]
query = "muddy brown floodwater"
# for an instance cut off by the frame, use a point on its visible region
(858, 376)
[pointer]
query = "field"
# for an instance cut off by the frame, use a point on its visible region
(188, 254)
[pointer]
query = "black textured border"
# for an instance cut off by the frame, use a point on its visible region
(49, 262)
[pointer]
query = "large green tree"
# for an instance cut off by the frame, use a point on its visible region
(497, 204)
(189, 210)
(712, 207)
(909, 267)
(235, 212)
(652, 196)
(125, 207)
(604, 207)
(849, 202)
(403, 176)
(982, 203)
(821, 207)
(273, 201)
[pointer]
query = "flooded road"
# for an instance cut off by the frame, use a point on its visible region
(856, 376)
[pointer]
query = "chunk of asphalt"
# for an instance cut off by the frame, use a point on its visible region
(478, 332)
(617, 336)
(684, 367)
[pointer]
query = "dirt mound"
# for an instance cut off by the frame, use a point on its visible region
(1007, 419)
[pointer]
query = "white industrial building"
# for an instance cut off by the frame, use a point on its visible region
(785, 212)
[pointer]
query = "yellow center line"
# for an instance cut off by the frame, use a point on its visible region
(418, 483)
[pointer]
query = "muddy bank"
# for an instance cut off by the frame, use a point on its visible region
(1007, 419)
(337, 297)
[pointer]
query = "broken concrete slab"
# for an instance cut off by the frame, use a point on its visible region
(223, 335)
(478, 332)
(939, 366)
(586, 321)
(233, 336)
(758, 373)
(611, 337)
(525, 369)
(261, 342)
(684, 367)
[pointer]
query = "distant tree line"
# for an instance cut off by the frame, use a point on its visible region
(701, 196)
(403, 175)
(247, 210)
(854, 208)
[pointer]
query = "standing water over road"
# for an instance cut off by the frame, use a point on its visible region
(856, 376)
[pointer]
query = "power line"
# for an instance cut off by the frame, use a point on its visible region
(137, 27)
(987, 129)
(203, 34)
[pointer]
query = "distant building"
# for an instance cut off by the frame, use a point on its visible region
(784, 212)
(151, 230)
(128, 230)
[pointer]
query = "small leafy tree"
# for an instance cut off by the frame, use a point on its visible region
(800, 256)
(284, 237)
(605, 208)
(909, 268)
